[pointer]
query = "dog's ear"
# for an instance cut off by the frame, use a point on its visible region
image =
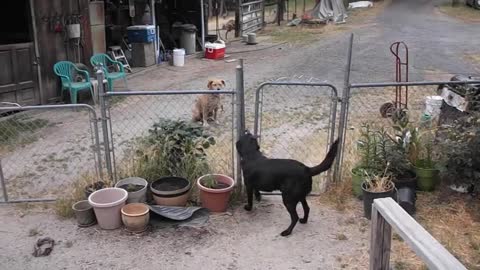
(223, 82)
(209, 85)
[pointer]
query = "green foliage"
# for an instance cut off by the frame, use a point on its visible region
(171, 148)
(461, 150)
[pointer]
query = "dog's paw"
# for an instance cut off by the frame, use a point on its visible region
(286, 233)
(303, 220)
(248, 207)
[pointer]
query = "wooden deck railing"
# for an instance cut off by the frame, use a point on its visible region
(386, 213)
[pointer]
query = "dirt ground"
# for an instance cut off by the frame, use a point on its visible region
(237, 240)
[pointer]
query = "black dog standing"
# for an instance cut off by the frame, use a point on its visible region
(291, 177)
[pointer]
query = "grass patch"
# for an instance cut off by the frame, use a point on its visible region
(19, 130)
(461, 12)
(63, 206)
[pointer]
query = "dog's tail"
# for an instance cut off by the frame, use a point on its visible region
(327, 162)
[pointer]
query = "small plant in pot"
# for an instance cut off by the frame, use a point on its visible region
(373, 149)
(136, 188)
(420, 154)
(215, 190)
(400, 167)
(375, 187)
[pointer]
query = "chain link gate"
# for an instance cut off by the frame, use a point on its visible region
(44, 148)
(128, 119)
(297, 120)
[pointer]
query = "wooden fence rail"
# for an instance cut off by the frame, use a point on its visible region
(386, 213)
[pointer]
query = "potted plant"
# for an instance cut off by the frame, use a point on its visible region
(84, 213)
(420, 154)
(373, 147)
(89, 189)
(135, 217)
(171, 191)
(136, 188)
(400, 167)
(107, 203)
(375, 187)
(215, 190)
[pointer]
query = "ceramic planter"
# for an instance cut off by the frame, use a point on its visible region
(216, 198)
(84, 213)
(107, 204)
(136, 188)
(369, 196)
(135, 217)
(171, 191)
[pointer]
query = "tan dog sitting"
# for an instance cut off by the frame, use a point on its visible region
(207, 105)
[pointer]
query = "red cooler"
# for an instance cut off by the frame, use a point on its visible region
(215, 50)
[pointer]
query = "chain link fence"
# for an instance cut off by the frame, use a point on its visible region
(137, 116)
(44, 149)
(297, 120)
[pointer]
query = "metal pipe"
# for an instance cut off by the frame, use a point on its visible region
(342, 126)
(202, 15)
(240, 101)
(103, 111)
(29, 200)
(4, 187)
(172, 92)
(420, 83)
(37, 53)
(154, 23)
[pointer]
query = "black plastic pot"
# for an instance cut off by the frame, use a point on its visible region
(408, 179)
(406, 199)
(368, 198)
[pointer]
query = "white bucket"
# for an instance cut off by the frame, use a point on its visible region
(178, 57)
(73, 30)
(433, 105)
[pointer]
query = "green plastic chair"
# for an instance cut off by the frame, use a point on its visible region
(106, 61)
(67, 71)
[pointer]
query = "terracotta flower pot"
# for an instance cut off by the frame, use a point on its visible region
(215, 198)
(107, 203)
(171, 191)
(135, 217)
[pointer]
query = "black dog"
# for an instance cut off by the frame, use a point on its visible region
(291, 177)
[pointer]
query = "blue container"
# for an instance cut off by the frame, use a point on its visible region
(141, 33)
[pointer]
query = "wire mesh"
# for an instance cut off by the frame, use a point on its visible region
(44, 150)
(366, 105)
(297, 122)
(133, 118)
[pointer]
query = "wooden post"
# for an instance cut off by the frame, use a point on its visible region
(238, 20)
(380, 241)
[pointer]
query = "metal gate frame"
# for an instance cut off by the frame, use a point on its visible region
(238, 118)
(332, 119)
(95, 138)
(256, 10)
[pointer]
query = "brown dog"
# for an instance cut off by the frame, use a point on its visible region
(207, 105)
